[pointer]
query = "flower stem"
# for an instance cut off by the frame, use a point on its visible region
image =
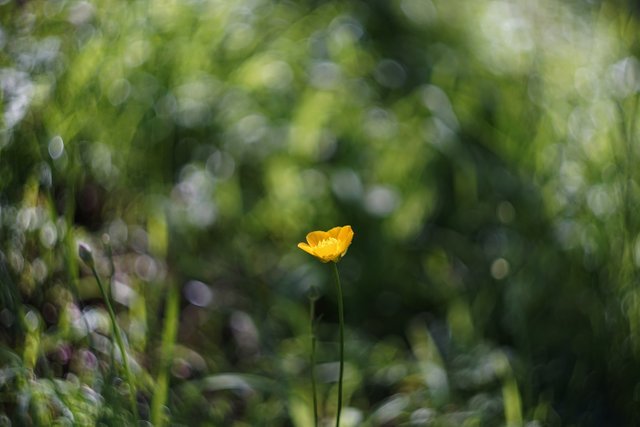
(312, 305)
(119, 342)
(341, 319)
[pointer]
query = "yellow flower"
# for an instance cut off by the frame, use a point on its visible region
(328, 245)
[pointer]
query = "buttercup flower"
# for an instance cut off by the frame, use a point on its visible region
(328, 245)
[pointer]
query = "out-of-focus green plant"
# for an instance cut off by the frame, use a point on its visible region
(485, 154)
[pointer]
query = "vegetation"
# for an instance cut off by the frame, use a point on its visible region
(484, 153)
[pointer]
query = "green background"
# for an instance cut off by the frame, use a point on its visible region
(484, 152)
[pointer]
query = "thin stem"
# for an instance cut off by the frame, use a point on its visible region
(341, 319)
(119, 342)
(312, 305)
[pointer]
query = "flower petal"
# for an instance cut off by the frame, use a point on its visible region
(334, 232)
(308, 249)
(315, 237)
(328, 252)
(344, 238)
(328, 245)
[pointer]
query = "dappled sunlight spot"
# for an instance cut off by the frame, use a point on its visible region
(137, 52)
(194, 100)
(351, 416)
(188, 364)
(437, 101)
(17, 90)
(79, 326)
(438, 134)
(192, 197)
(245, 333)
(198, 293)
(508, 33)
(83, 361)
(344, 32)
(390, 74)
(118, 91)
(80, 13)
(63, 354)
(276, 75)
(102, 164)
(239, 37)
(32, 321)
(27, 219)
(505, 212)
(624, 77)
(571, 176)
(314, 182)
(166, 106)
(234, 104)
(381, 200)
(180, 368)
(266, 71)
(500, 268)
(45, 175)
(56, 147)
(118, 232)
(39, 54)
(423, 416)
(581, 125)
(380, 124)
(139, 239)
(16, 260)
(588, 83)
(96, 319)
(329, 372)
(420, 12)
(304, 278)
(251, 129)
(325, 75)
(39, 270)
(391, 409)
(600, 200)
(229, 382)
(147, 268)
(192, 113)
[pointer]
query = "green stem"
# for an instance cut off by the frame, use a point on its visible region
(161, 393)
(119, 342)
(341, 318)
(312, 304)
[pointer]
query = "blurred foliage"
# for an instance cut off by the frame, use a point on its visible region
(485, 156)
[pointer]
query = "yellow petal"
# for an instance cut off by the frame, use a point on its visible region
(334, 232)
(316, 236)
(308, 249)
(328, 245)
(329, 252)
(345, 238)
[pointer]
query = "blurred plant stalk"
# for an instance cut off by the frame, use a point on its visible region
(312, 307)
(341, 320)
(87, 257)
